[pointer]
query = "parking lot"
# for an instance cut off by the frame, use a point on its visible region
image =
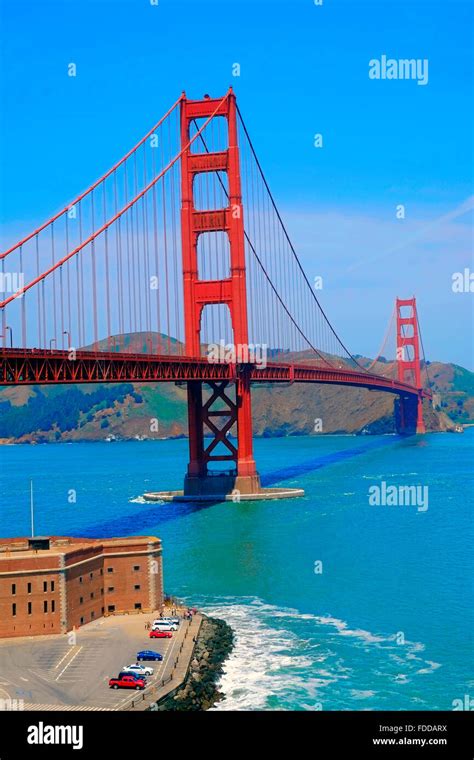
(73, 670)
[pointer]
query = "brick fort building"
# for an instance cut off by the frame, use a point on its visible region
(52, 585)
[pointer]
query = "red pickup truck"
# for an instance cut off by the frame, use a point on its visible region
(127, 682)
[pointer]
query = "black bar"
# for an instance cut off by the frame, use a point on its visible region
(324, 735)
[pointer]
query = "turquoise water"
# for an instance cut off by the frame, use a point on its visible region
(387, 624)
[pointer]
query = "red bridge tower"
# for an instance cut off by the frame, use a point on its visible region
(198, 293)
(409, 370)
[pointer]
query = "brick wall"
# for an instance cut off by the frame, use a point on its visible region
(30, 601)
(84, 586)
(132, 577)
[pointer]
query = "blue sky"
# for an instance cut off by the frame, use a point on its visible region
(304, 69)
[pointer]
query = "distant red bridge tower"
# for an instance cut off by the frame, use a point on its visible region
(409, 369)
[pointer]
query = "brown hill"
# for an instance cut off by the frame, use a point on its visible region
(141, 410)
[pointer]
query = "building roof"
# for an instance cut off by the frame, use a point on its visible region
(20, 547)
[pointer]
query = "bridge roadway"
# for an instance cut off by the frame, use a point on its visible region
(20, 366)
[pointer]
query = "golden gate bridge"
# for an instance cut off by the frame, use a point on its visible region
(178, 247)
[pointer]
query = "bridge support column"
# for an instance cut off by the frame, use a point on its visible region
(245, 462)
(196, 466)
(420, 423)
(227, 406)
(409, 415)
(410, 408)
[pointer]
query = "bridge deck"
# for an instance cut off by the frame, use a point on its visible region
(42, 367)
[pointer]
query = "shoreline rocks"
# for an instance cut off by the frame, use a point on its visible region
(199, 690)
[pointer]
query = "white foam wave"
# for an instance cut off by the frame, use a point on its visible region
(275, 665)
(431, 667)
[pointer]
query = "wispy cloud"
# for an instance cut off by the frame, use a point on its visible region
(423, 233)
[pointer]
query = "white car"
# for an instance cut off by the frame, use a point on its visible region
(163, 625)
(139, 670)
(171, 620)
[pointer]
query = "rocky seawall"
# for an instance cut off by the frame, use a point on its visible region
(199, 690)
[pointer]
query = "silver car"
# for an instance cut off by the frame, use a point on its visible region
(139, 670)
